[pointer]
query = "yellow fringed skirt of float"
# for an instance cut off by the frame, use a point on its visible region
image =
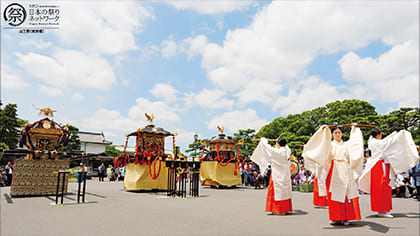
(138, 177)
(212, 173)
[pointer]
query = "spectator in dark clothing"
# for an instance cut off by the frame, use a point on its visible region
(102, 172)
(415, 173)
(257, 180)
(3, 179)
(9, 173)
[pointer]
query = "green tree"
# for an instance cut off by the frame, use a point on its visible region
(4, 146)
(247, 148)
(73, 140)
(297, 129)
(9, 125)
(404, 118)
(112, 151)
(196, 148)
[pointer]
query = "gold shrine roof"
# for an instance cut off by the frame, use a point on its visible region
(221, 138)
(151, 129)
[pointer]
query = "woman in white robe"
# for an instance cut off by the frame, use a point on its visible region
(343, 162)
(279, 195)
(394, 154)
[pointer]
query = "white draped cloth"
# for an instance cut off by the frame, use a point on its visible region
(263, 155)
(321, 174)
(348, 161)
(398, 149)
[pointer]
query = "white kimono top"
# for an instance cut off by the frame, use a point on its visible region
(348, 161)
(397, 149)
(263, 155)
(320, 173)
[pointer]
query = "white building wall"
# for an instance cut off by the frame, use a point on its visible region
(93, 147)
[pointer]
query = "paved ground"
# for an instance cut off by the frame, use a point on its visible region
(240, 211)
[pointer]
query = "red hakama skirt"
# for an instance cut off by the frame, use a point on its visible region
(380, 191)
(280, 207)
(319, 200)
(342, 211)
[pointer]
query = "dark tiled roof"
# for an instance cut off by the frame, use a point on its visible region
(151, 129)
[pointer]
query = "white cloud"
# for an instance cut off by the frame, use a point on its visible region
(195, 46)
(104, 119)
(208, 7)
(32, 43)
(50, 91)
(236, 120)
(307, 94)
(163, 112)
(11, 80)
(165, 92)
(107, 28)
(169, 48)
(400, 61)
(192, 47)
(100, 98)
(259, 61)
(183, 139)
(212, 99)
(259, 91)
(392, 77)
(78, 97)
(285, 37)
(69, 68)
(148, 51)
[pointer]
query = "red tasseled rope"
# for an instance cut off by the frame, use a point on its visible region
(126, 160)
(235, 172)
(125, 147)
(202, 153)
(154, 175)
(218, 157)
(137, 146)
(173, 144)
(116, 162)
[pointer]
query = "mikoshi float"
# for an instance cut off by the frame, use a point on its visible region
(220, 167)
(146, 168)
(36, 174)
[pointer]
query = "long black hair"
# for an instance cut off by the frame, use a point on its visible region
(282, 142)
(375, 132)
(336, 127)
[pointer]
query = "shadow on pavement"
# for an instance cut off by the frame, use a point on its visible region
(354, 224)
(294, 213)
(8, 199)
(298, 212)
(399, 215)
(96, 195)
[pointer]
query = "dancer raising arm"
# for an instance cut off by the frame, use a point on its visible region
(279, 195)
(394, 154)
(343, 162)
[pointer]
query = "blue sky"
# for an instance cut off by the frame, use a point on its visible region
(197, 65)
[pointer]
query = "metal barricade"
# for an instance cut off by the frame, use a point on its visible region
(61, 181)
(178, 174)
(61, 194)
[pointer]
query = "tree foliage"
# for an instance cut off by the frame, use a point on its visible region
(298, 128)
(112, 151)
(404, 118)
(9, 126)
(74, 141)
(196, 148)
(247, 148)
